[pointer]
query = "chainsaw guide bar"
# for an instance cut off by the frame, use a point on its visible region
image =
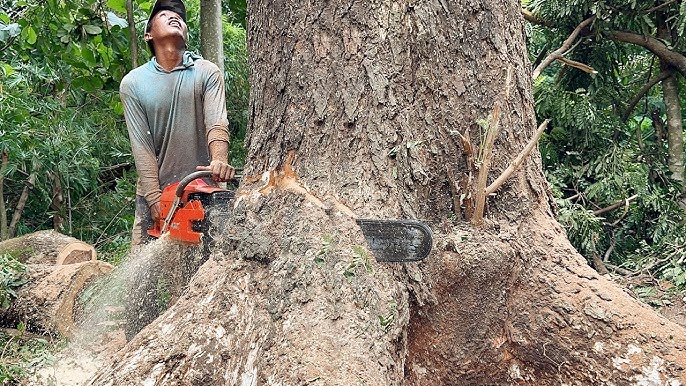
(191, 209)
(397, 241)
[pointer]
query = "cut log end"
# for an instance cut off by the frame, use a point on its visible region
(48, 247)
(47, 304)
(76, 252)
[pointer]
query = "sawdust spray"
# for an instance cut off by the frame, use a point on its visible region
(100, 332)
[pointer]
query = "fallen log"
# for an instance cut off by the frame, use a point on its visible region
(48, 302)
(48, 247)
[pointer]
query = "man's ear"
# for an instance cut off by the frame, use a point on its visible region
(147, 37)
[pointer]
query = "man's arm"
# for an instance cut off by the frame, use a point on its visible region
(143, 150)
(217, 127)
(221, 170)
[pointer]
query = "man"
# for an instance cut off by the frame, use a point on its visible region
(175, 112)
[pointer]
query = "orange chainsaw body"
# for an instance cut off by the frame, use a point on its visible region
(188, 212)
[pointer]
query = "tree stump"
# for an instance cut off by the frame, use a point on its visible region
(47, 303)
(48, 247)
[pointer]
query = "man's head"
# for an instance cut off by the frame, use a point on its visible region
(167, 18)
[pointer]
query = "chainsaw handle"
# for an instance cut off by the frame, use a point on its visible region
(189, 178)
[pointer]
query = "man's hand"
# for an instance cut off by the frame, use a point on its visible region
(221, 171)
(155, 211)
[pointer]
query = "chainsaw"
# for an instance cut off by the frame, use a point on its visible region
(192, 208)
(187, 206)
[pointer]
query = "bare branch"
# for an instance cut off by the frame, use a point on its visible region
(517, 161)
(9, 43)
(639, 95)
(619, 270)
(616, 205)
(531, 18)
(653, 45)
(578, 65)
(491, 133)
(564, 48)
(606, 257)
(659, 7)
(541, 55)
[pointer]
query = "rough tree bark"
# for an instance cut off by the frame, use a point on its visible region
(211, 39)
(361, 108)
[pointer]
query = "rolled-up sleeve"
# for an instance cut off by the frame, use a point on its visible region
(214, 107)
(142, 146)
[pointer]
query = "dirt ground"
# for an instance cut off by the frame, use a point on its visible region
(676, 309)
(77, 363)
(660, 295)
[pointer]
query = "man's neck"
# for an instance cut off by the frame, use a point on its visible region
(169, 57)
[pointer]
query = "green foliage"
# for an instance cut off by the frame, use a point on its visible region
(61, 118)
(668, 261)
(386, 321)
(13, 275)
(328, 244)
(593, 156)
(21, 355)
(360, 259)
(237, 11)
(583, 228)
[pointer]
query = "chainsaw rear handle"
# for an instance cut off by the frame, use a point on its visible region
(189, 178)
(195, 175)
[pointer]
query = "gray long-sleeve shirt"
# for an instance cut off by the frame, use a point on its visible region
(168, 115)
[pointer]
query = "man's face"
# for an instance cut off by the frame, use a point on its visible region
(167, 24)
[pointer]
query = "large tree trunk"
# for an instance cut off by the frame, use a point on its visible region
(48, 247)
(358, 109)
(59, 268)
